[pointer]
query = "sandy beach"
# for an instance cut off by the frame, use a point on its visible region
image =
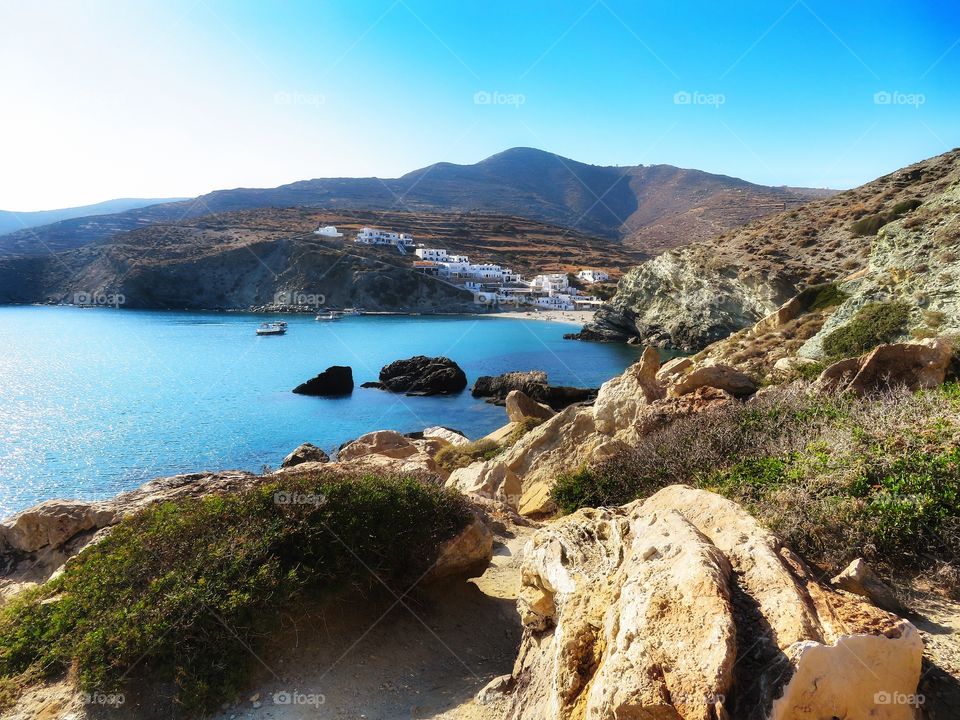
(570, 317)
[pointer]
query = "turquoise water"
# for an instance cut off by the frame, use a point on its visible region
(93, 402)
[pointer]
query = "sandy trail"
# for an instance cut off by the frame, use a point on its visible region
(366, 659)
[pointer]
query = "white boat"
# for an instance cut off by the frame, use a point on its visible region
(330, 315)
(351, 311)
(272, 328)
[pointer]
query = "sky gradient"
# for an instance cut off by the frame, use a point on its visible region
(177, 98)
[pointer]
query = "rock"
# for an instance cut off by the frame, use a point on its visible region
(465, 555)
(536, 500)
(499, 386)
(788, 365)
(501, 434)
(387, 443)
(495, 689)
(917, 366)
(520, 407)
(722, 377)
(488, 479)
(446, 434)
(52, 523)
(673, 369)
(534, 385)
(421, 375)
(307, 452)
(335, 380)
(620, 399)
(859, 579)
(667, 608)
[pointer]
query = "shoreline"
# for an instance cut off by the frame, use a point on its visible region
(567, 317)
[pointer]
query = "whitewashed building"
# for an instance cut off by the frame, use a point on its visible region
(556, 301)
(593, 276)
(372, 236)
(328, 231)
(551, 282)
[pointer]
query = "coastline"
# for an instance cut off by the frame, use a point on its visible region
(567, 317)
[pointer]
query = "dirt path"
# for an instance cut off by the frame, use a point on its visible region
(382, 661)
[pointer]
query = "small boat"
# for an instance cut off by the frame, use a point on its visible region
(272, 328)
(330, 315)
(351, 311)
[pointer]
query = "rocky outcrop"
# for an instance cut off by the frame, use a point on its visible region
(307, 452)
(451, 437)
(534, 385)
(917, 366)
(721, 377)
(467, 554)
(521, 407)
(682, 606)
(421, 375)
(335, 380)
(858, 578)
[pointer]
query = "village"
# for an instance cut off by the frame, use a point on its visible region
(490, 283)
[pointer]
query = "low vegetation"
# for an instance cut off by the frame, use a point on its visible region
(452, 457)
(835, 476)
(876, 323)
(177, 592)
(871, 224)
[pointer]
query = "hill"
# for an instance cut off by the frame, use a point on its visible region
(644, 209)
(895, 237)
(11, 221)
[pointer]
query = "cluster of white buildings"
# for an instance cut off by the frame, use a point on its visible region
(490, 283)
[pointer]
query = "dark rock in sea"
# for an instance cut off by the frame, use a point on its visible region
(421, 375)
(534, 385)
(376, 384)
(307, 452)
(335, 380)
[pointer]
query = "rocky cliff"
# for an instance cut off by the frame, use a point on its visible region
(690, 297)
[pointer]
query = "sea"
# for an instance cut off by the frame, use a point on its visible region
(95, 401)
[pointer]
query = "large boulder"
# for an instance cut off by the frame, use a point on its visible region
(521, 406)
(722, 377)
(917, 366)
(52, 523)
(421, 375)
(534, 385)
(683, 607)
(446, 435)
(467, 554)
(307, 452)
(388, 443)
(335, 380)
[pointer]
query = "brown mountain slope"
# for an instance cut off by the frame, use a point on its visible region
(690, 297)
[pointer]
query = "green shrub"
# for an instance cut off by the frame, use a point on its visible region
(821, 297)
(905, 206)
(521, 429)
(873, 325)
(452, 457)
(176, 593)
(868, 225)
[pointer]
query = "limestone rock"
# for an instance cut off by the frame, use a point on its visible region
(490, 479)
(421, 375)
(673, 369)
(859, 578)
(917, 366)
(307, 452)
(388, 443)
(620, 399)
(683, 606)
(52, 523)
(520, 407)
(446, 434)
(722, 377)
(501, 434)
(465, 555)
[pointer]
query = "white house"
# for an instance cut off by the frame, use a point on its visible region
(559, 301)
(552, 282)
(328, 231)
(432, 254)
(593, 276)
(372, 236)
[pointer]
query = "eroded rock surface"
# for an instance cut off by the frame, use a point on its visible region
(683, 606)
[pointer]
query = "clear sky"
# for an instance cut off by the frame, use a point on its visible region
(180, 97)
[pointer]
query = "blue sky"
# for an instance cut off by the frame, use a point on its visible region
(110, 99)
